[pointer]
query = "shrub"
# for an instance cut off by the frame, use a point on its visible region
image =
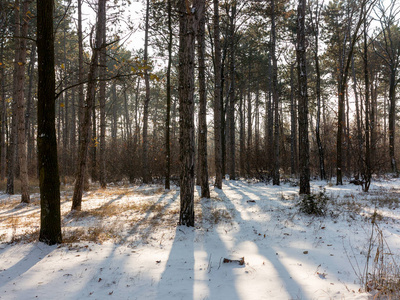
(314, 204)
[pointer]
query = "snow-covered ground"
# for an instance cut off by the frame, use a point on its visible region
(126, 244)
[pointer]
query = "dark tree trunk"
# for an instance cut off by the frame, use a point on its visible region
(293, 127)
(223, 106)
(304, 155)
(168, 114)
(270, 125)
(392, 120)
(49, 181)
(3, 111)
(202, 155)
(187, 33)
(217, 100)
(367, 174)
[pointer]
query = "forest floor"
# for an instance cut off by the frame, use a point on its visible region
(250, 242)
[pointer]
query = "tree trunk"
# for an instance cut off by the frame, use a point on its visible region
(293, 127)
(72, 134)
(392, 120)
(102, 104)
(367, 170)
(242, 156)
(49, 181)
(202, 153)
(29, 136)
(168, 114)
(275, 96)
(18, 95)
(231, 108)
(358, 117)
(342, 84)
(187, 33)
(145, 158)
(304, 154)
(93, 138)
(3, 111)
(321, 154)
(91, 89)
(22, 157)
(217, 99)
(249, 126)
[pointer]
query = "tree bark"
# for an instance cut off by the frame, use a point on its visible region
(102, 104)
(242, 139)
(90, 97)
(18, 95)
(29, 136)
(3, 111)
(49, 181)
(202, 136)
(232, 93)
(321, 154)
(342, 84)
(187, 33)
(275, 96)
(168, 113)
(293, 127)
(145, 158)
(217, 99)
(367, 174)
(304, 152)
(249, 125)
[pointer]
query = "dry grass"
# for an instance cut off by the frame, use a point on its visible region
(219, 215)
(96, 234)
(116, 218)
(33, 185)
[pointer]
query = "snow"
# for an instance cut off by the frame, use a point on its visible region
(126, 244)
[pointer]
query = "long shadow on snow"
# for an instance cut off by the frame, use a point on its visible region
(92, 278)
(219, 278)
(32, 258)
(177, 280)
(292, 287)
